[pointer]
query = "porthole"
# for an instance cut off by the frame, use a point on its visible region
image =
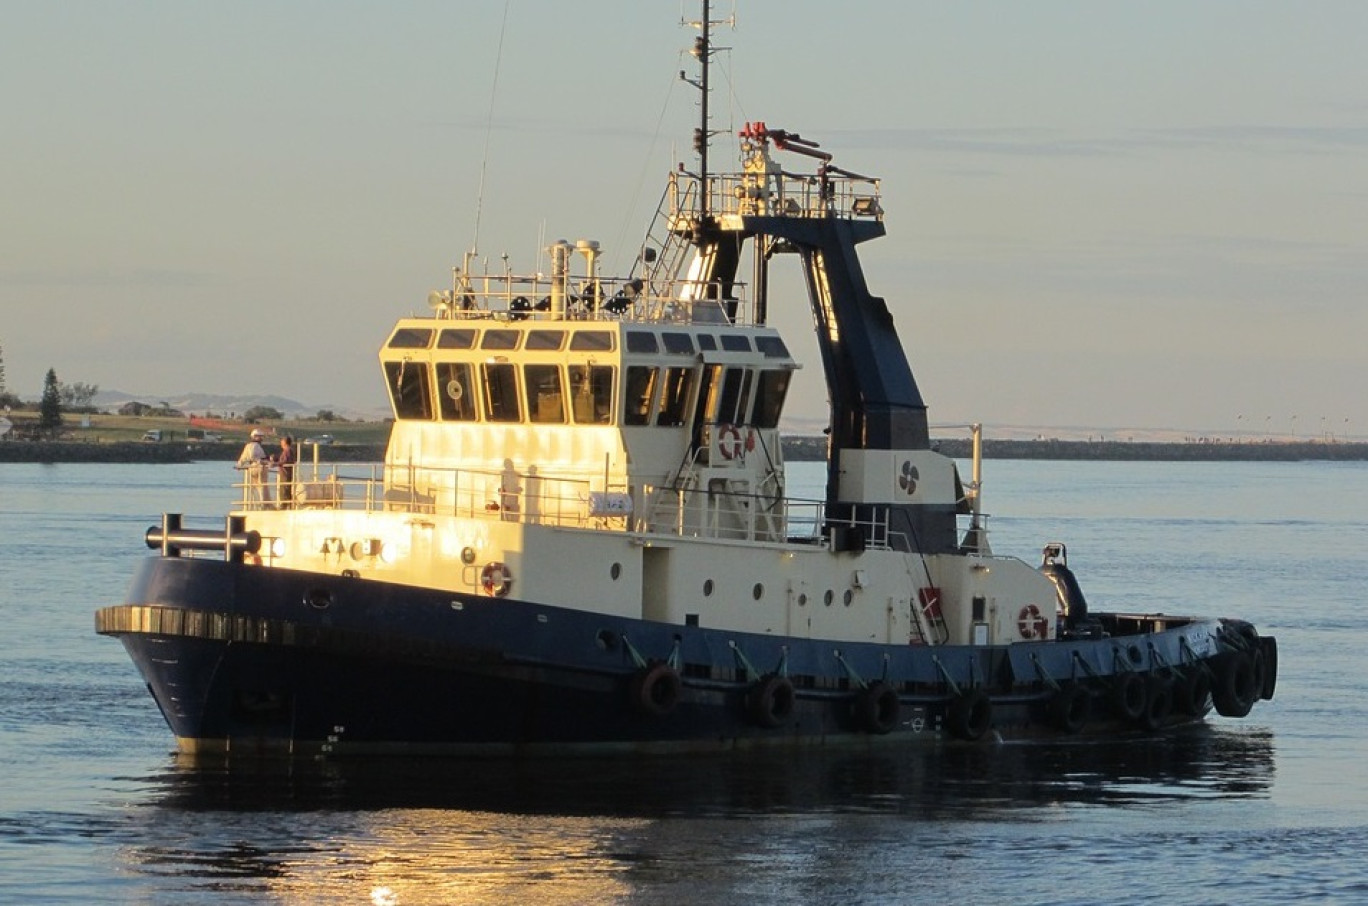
(828, 597)
(758, 591)
(707, 588)
(318, 598)
(849, 596)
(802, 599)
(615, 571)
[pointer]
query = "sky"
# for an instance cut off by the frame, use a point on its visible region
(1101, 216)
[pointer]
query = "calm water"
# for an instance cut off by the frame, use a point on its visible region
(95, 808)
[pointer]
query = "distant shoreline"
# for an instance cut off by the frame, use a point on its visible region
(796, 449)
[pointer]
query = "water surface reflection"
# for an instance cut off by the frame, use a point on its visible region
(405, 831)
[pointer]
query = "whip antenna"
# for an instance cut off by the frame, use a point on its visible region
(489, 130)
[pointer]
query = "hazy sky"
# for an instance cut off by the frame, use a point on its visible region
(1118, 215)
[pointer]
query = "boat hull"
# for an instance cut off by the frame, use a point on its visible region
(248, 660)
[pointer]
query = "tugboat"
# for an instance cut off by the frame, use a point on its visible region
(581, 539)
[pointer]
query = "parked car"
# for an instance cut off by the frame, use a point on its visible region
(321, 440)
(152, 437)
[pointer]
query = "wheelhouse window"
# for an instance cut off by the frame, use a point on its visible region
(411, 338)
(545, 395)
(709, 384)
(544, 339)
(500, 339)
(409, 389)
(770, 390)
(456, 391)
(772, 346)
(639, 395)
(674, 403)
(591, 393)
(501, 392)
(678, 342)
(642, 341)
(456, 338)
(732, 401)
(592, 341)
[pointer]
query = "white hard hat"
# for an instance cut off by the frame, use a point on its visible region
(257, 432)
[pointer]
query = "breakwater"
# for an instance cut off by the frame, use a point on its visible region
(796, 449)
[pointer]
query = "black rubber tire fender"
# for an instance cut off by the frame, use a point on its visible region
(1236, 687)
(1128, 696)
(876, 708)
(655, 689)
(1070, 707)
(970, 715)
(769, 703)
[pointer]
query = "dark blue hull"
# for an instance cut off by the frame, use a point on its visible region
(272, 661)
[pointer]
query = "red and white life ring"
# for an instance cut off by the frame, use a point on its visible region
(729, 442)
(1032, 623)
(495, 579)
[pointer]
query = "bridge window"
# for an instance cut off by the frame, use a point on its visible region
(411, 338)
(409, 389)
(678, 342)
(592, 340)
(735, 342)
(456, 338)
(544, 339)
(642, 341)
(591, 393)
(500, 339)
(639, 395)
(709, 382)
(501, 392)
(456, 391)
(545, 397)
(772, 346)
(732, 402)
(674, 404)
(770, 390)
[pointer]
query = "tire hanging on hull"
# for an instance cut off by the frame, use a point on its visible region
(769, 703)
(876, 708)
(654, 689)
(970, 715)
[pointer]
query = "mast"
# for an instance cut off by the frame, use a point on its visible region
(703, 50)
(702, 137)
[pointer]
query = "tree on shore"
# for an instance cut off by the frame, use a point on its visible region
(50, 408)
(262, 413)
(7, 399)
(78, 397)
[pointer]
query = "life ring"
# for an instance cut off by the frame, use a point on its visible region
(495, 579)
(1069, 708)
(1128, 695)
(1234, 691)
(1158, 703)
(770, 701)
(876, 708)
(729, 442)
(970, 715)
(1192, 693)
(654, 689)
(1031, 623)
